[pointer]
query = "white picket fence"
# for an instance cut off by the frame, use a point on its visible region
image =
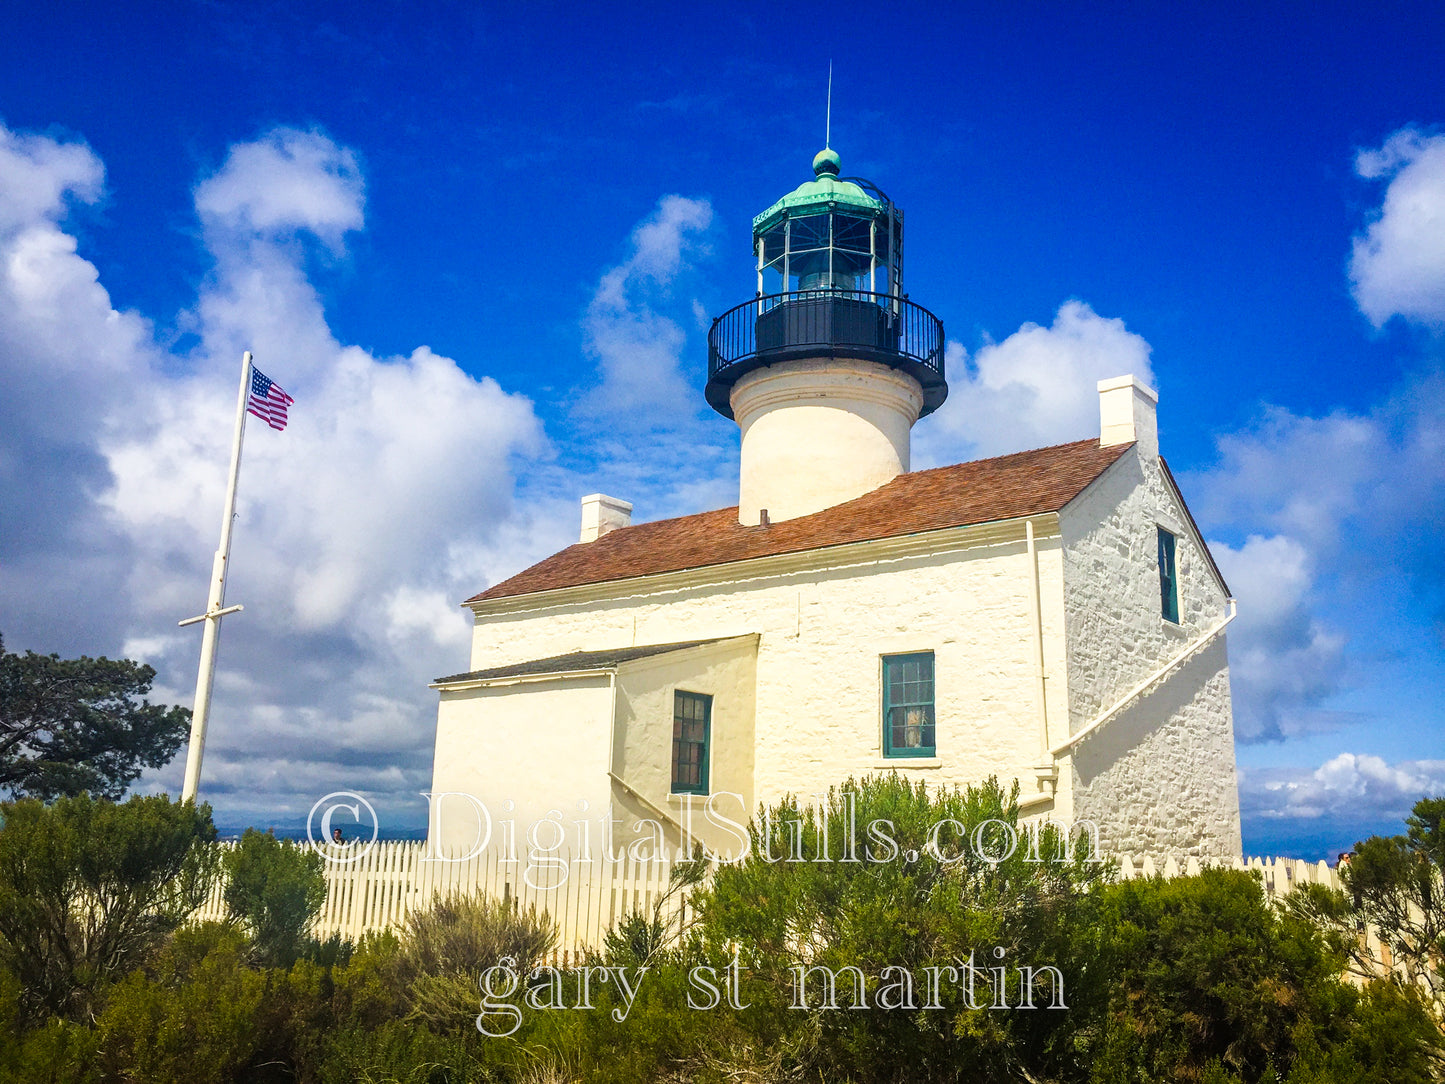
(1279, 875)
(376, 888)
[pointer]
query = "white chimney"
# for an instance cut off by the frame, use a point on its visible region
(601, 514)
(1128, 411)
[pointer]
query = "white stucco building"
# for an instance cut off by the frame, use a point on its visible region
(1052, 616)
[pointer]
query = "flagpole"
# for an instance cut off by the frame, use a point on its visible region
(216, 607)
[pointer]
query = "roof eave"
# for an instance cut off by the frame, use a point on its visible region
(465, 683)
(479, 679)
(838, 196)
(836, 555)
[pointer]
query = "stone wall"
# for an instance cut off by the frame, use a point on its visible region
(1158, 778)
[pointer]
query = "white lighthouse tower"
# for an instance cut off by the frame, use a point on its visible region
(829, 366)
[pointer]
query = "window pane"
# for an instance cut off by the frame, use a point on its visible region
(1168, 577)
(810, 231)
(850, 232)
(854, 264)
(908, 705)
(773, 244)
(880, 243)
(691, 714)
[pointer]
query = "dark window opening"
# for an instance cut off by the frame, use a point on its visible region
(1168, 578)
(908, 705)
(691, 721)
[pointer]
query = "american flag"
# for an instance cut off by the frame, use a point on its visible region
(267, 401)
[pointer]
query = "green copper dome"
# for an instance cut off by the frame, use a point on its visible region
(823, 190)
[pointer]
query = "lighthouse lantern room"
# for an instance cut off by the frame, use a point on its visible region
(827, 368)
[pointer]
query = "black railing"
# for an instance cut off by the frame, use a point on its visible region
(832, 323)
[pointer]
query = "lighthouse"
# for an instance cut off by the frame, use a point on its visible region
(1051, 617)
(829, 365)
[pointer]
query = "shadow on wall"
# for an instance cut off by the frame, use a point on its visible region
(1146, 768)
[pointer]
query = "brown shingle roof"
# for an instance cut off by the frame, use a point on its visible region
(1007, 486)
(577, 660)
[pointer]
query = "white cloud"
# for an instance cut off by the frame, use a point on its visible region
(387, 499)
(1397, 267)
(1306, 476)
(64, 355)
(38, 174)
(1359, 786)
(56, 320)
(1345, 510)
(384, 465)
(1361, 492)
(286, 181)
(638, 348)
(411, 610)
(1284, 662)
(1037, 387)
(644, 328)
(270, 200)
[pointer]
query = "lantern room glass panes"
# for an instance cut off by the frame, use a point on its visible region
(773, 240)
(850, 233)
(829, 250)
(808, 232)
(908, 705)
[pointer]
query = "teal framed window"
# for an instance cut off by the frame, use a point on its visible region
(908, 705)
(1168, 578)
(691, 729)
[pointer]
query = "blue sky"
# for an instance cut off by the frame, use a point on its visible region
(481, 244)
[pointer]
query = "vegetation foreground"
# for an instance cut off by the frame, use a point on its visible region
(970, 965)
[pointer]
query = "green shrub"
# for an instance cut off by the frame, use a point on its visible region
(642, 937)
(1387, 1037)
(90, 889)
(376, 1040)
(1205, 971)
(275, 890)
(446, 947)
(1197, 979)
(933, 898)
(58, 1052)
(205, 1029)
(368, 990)
(397, 1052)
(201, 1014)
(1396, 884)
